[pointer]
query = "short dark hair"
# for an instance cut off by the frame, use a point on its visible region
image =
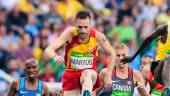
(31, 61)
(83, 14)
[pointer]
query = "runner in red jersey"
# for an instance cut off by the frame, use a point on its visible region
(80, 58)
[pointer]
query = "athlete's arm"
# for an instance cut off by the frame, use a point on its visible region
(103, 42)
(159, 31)
(45, 91)
(13, 88)
(139, 82)
(137, 76)
(62, 39)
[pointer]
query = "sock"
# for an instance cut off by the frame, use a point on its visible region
(86, 93)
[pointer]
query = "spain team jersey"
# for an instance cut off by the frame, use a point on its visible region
(163, 48)
(79, 56)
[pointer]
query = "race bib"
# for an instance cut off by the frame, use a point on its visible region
(156, 92)
(121, 90)
(81, 61)
(121, 93)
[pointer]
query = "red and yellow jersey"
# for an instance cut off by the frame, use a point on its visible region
(79, 56)
(163, 48)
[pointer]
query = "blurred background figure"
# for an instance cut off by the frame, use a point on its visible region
(151, 84)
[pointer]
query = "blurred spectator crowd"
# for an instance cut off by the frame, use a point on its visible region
(28, 26)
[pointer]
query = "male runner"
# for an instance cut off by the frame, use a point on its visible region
(30, 85)
(155, 87)
(81, 44)
(124, 78)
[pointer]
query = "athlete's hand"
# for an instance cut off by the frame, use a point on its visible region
(145, 71)
(127, 59)
(59, 59)
(107, 79)
(140, 85)
(142, 90)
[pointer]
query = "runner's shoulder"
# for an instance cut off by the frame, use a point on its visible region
(100, 36)
(136, 72)
(15, 84)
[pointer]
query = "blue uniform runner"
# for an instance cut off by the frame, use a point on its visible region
(23, 91)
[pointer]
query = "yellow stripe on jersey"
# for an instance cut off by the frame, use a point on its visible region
(74, 31)
(163, 48)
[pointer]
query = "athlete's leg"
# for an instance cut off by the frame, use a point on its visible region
(102, 75)
(88, 78)
(102, 91)
(75, 92)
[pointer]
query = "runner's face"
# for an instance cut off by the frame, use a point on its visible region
(31, 70)
(83, 26)
(145, 62)
(120, 53)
